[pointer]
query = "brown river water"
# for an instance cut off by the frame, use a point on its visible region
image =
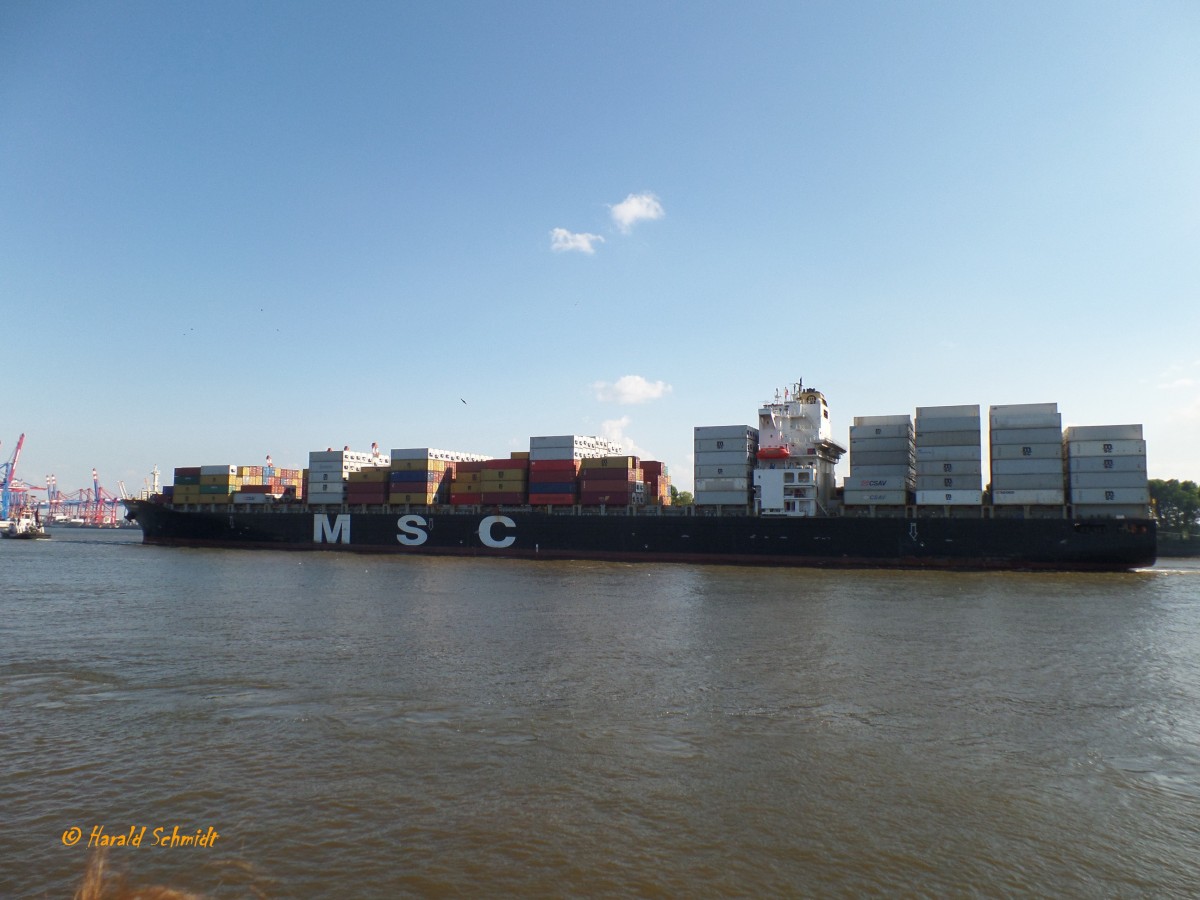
(359, 726)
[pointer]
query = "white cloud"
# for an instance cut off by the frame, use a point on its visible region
(630, 389)
(614, 430)
(1178, 383)
(634, 209)
(563, 241)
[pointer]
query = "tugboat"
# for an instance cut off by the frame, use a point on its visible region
(26, 526)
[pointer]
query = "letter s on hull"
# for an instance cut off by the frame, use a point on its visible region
(412, 527)
(485, 531)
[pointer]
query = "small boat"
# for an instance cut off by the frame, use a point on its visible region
(26, 526)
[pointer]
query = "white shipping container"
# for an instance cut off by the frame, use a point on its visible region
(568, 453)
(723, 484)
(1110, 495)
(881, 430)
(411, 453)
(1111, 479)
(1027, 451)
(948, 412)
(331, 466)
(1054, 497)
(949, 498)
(1050, 435)
(877, 498)
(239, 497)
(1029, 466)
(1106, 448)
(1104, 433)
(1108, 464)
(949, 453)
(949, 467)
(949, 482)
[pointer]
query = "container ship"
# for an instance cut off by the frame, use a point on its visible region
(1074, 499)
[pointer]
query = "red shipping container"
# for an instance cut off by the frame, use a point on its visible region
(554, 465)
(610, 475)
(504, 497)
(506, 464)
(472, 466)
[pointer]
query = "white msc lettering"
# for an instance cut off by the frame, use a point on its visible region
(411, 525)
(337, 532)
(485, 531)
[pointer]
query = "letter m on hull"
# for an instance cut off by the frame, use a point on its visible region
(327, 532)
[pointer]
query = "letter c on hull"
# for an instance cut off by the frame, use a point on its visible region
(485, 531)
(412, 528)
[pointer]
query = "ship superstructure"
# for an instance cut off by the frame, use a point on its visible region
(794, 471)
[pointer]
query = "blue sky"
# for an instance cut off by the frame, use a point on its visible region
(233, 229)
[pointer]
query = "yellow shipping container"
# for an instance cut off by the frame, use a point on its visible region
(374, 475)
(409, 497)
(610, 462)
(491, 475)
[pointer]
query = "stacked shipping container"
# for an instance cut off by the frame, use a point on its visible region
(234, 484)
(725, 457)
(1026, 455)
(424, 475)
(882, 461)
(1106, 468)
(949, 456)
(327, 481)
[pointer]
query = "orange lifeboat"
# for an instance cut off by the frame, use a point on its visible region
(773, 453)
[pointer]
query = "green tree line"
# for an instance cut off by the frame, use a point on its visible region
(1176, 504)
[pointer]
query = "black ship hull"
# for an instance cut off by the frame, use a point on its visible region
(915, 543)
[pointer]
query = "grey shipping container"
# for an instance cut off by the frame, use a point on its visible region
(1110, 495)
(949, 482)
(875, 498)
(945, 412)
(724, 445)
(881, 458)
(881, 431)
(1115, 447)
(1027, 451)
(1104, 433)
(722, 498)
(1027, 467)
(747, 432)
(1026, 435)
(880, 443)
(955, 452)
(876, 421)
(884, 471)
(722, 458)
(1108, 464)
(1053, 497)
(948, 438)
(949, 467)
(723, 471)
(1035, 482)
(1108, 479)
(950, 423)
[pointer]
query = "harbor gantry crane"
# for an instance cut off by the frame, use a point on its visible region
(8, 475)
